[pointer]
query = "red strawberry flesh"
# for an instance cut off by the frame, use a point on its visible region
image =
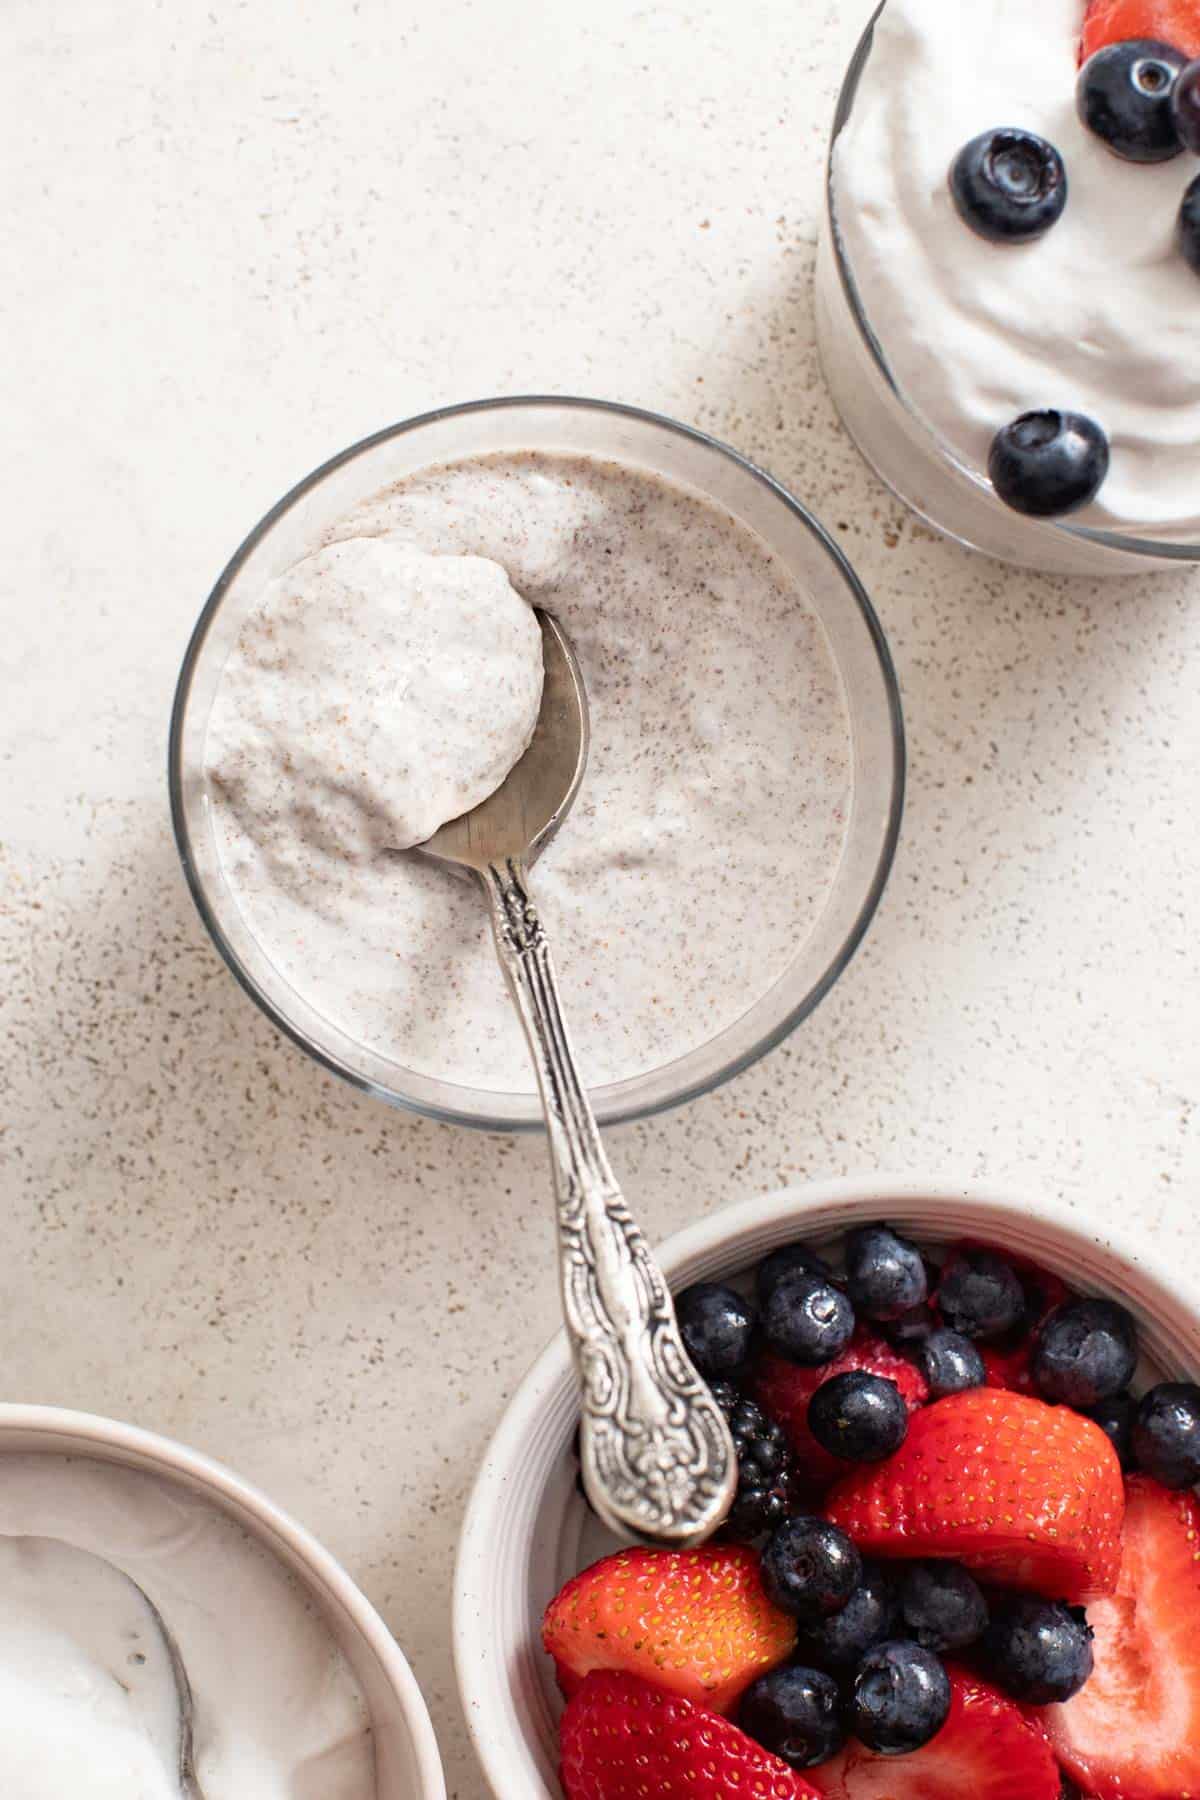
(1174, 22)
(1133, 1733)
(786, 1390)
(987, 1750)
(694, 1621)
(622, 1738)
(1027, 1495)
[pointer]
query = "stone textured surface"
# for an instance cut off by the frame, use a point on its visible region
(242, 235)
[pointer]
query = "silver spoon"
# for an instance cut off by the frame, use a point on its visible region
(96, 1603)
(657, 1457)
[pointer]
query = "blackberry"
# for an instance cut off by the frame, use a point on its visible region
(764, 1466)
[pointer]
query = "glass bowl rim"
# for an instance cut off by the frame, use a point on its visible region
(1152, 549)
(632, 1110)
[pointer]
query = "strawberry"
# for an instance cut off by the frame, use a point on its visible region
(1028, 1495)
(1174, 22)
(696, 1622)
(784, 1389)
(986, 1750)
(1133, 1733)
(622, 1738)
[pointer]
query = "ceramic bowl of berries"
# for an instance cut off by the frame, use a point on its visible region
(1008, 278)
(964, 1554)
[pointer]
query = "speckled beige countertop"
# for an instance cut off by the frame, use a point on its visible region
(242, 235)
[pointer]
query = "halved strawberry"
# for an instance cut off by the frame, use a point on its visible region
(786, 1390)
(696, 1622)
(1133, 1733)
(1174, 22)
(622, 1738)
(1028, 1495)
(986, 1750)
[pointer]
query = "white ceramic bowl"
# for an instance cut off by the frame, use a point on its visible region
(527, 1529)
(408, 1766)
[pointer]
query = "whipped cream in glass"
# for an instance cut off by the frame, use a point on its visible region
(87, 1701)
(1100, 316)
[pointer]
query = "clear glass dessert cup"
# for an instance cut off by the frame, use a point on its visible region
(672, 451)
(908, 455)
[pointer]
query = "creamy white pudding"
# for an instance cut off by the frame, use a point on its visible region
(1099, 316)
(87, 1700)
(709, 829)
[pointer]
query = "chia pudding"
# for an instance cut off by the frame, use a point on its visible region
(709, 829)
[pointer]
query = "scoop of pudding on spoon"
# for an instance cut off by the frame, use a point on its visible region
(658, 1461)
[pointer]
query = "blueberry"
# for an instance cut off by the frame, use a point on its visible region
(1185, 108)
(1115, 1418)
(1189, 226)
(793, 1259)
(795, 1713)
(1049, 463)
(885, 1274)
(1038, 1651)
(911, 1329)
(942, 1606)
(1009, 186)
(1085, 1352)
(900, 1699)
(1125, 95)
(808, 1320)
(717, 1326)
(980, 1295)
(950, 1364)
(1166, 1434)
(859, 1417)
(810, 1568)
(836, 1644)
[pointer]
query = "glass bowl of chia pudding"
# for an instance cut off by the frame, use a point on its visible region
(941, 329)
(742, 802)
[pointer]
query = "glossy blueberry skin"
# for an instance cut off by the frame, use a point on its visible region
(1086, 1352)
(837, 1644)
(793, 1259)
(980, 1296)
(1038, 1651)
(1185, 108)
(950, 1364)
(807, 1320)
(1189, 226)
(1009, 186)
(885, 1274)
(942, 1606)
(1115, 1418)
(858, 1417)
(900, 1698)
(1125, 94)
(1047, 464)
(717, 1325)
(810, 1568)
(1166, 1434)
(795, 1713)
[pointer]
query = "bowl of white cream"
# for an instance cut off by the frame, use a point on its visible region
(299, 1690)
(368, 666)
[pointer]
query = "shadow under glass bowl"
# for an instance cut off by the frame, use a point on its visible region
(905, 451)
(678, 454)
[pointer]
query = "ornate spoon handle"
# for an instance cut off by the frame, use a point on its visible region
(657, 1457)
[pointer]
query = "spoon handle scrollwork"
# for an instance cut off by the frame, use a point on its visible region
(657, 1457)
